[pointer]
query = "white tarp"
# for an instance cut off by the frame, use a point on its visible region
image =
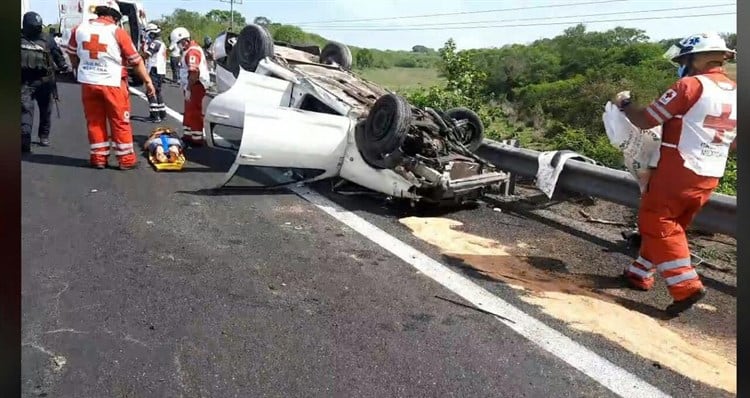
(547, 175)
(640, 148)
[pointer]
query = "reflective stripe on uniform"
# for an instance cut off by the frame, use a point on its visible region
(123, 149)
(663, 111)
(188, 131)
(100, 148)
(655, 115)
(673, 280)
(673, 264)
(641, 273)
(645, 263)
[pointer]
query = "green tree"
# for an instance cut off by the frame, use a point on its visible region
(225, 16)
(262, 21)
(364, 58)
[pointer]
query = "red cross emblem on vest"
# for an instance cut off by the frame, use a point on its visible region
(721, 123)
(94, 47)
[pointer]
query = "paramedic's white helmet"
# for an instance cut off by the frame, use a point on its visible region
(698, 43)
(152, 28)
(178, 34)
(106, 3)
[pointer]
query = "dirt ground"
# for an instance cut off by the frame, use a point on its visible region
(718, 252)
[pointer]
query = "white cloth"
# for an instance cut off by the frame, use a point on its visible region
(547, 175)
(640, 148)
(174, 50)
(204, 75)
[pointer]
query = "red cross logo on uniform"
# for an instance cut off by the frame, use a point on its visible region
(720, 123)
(667, 97)
(94, 47)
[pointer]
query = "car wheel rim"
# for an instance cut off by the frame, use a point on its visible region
(381, 122)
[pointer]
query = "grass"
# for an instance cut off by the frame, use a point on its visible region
(402, 78)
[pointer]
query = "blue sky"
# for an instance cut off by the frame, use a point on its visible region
(297, 11)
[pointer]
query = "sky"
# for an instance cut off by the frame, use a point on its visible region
(473, 29)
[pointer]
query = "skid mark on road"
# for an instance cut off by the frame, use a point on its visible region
(572, 299)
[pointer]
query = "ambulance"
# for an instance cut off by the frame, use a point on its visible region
(75, 12)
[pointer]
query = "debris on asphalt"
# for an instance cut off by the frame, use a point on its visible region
(497, 209)
(473, 308)
(94, 191)
(601, 221)
(59, 361)
(706, 307)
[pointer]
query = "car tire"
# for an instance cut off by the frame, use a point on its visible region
(338, 53)
(254, 44)
(384, 130)
(474, 128)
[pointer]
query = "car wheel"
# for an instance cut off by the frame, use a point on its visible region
(254, 43)
(338, 53)
(472, 133)
(384, 130)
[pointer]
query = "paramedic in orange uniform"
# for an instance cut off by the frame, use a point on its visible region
(698, 115)
(98, 50)
(194, 80)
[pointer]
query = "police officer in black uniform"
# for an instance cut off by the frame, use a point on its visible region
(39, 59)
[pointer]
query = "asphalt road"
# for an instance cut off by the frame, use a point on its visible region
(146, 284)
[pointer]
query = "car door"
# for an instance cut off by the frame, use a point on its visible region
(282, 145)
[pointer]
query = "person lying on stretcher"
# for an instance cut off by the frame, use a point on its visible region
(164, 145)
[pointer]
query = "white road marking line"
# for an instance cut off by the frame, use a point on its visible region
(171, 112)
(611, 376)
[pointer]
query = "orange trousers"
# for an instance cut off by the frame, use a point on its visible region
(103, 104)
(192, 119)
(673, 198)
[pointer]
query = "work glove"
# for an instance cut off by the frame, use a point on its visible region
(621, 99)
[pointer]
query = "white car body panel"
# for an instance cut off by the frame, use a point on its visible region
(386, 181)
(251, 89)
(291, 138)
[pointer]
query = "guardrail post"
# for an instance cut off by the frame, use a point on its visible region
(509, 187)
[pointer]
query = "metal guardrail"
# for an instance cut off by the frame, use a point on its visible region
(718, 215)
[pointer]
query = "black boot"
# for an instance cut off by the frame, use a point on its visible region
(25, 143)
(163, 114)
(678, 307)
(155, 117)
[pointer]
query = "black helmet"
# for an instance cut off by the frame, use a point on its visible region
(32, 23)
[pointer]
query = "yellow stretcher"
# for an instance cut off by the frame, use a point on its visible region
(174, 161)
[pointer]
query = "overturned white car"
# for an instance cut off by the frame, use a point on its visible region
(297, 114)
